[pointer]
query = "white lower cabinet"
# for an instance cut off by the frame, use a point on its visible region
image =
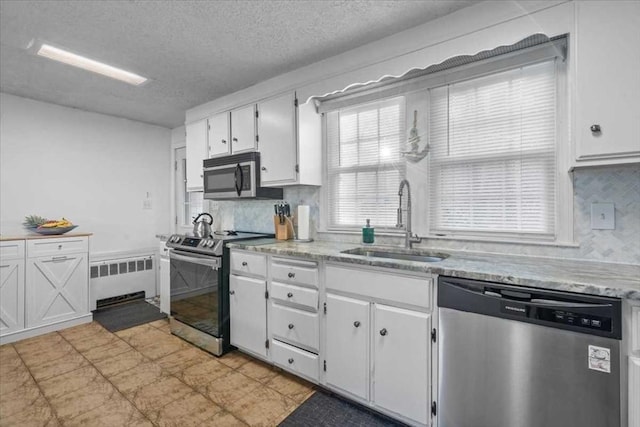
(12, 287)
(378, 347)
(401, 361)
(634, 391)
(56, 288)
(164, 272)
(347, 345)
(248, 312)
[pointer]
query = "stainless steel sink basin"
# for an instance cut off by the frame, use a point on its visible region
(407, 255)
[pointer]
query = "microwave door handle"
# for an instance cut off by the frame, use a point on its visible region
(239, 173)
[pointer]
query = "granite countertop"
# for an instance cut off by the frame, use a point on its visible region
(596, 278)
(35, 236)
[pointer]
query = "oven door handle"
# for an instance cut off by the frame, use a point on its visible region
(213, 262)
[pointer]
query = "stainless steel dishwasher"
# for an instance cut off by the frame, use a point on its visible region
(517, 356)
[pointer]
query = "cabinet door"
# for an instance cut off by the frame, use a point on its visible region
(248, 311)
(197, 151)
(219, 144)
(608, 83)
(243, 129)
(401, 352)
(57, 288)
(165, 284)
(11, 296)
(277, 140)
(634, 392)
(347, 345)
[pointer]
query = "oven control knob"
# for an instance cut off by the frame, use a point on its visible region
(210, 243)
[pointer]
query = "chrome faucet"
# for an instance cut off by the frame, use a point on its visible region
(409, 238)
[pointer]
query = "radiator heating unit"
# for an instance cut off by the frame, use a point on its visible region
(119, 280)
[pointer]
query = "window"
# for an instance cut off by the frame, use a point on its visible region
(364, 163)
(492, 165)
(188, 203)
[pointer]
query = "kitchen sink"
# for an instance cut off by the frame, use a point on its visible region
(401, 254)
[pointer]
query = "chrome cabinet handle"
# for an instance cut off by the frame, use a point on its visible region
(291, 275)
(232, 292)
(356, 323)
(290, 325)
(244, 263)
(383, 332)
(290, 360)
(289, 295)
(58, 258)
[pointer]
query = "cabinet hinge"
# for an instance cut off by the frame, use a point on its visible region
(434, 409)
(257, 114)
(257, 138)
(208, 126)
(295, 102)
(297, 168)
(176, 221)
(324, 366)
(325, 310)
(175, 165)
(433, 335)
(266, 344)
(266, 294)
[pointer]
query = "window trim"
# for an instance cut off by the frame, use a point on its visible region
(564, 221)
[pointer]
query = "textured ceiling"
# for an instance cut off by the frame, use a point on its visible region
(193, 51)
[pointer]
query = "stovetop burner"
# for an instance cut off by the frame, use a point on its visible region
(211, 245)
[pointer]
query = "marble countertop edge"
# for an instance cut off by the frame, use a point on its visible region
(581, 276)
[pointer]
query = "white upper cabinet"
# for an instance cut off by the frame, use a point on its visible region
(243, 129)
(289, 142)
(608, 82)
(219, 140)
(277, 139)
(197, 151)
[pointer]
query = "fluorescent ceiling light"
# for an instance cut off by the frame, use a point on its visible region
(90, 65)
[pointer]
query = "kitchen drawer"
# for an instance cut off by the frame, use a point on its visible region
(295, 295)
(295, 326)
(12, 249)
(58, 246)
(294, 271)
(249, 263)
(380, 285)
(293, 359)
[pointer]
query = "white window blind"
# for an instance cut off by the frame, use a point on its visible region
(364, 163)
(492, 165)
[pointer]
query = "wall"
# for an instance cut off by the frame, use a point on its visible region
(92, 169)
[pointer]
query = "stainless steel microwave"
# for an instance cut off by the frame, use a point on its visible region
(236, 177)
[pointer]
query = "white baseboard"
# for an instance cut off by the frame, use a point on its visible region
(45, 329)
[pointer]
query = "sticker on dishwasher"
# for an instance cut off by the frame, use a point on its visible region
(600, 359)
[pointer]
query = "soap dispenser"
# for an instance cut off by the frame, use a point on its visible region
(367, 233)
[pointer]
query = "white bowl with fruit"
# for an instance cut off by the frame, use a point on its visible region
(45, 226)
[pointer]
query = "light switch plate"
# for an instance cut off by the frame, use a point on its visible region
(603, 216)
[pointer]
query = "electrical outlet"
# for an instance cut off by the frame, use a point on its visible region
(603, 216)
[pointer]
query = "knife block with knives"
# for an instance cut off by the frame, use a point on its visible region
(282, 221)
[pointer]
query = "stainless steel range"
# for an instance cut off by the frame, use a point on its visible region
(199, 268)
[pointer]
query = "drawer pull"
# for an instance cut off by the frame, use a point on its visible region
(59, 246)
(356, 323)
(290, 360)
(290, 325)
(232, 292)
(289, 295)
(383, 331)
(291, 275)
(58, 258)
(244, 263)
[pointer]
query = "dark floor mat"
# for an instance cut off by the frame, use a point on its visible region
(328, 410)
(127, 315)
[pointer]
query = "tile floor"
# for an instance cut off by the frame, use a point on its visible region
(142, 376)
